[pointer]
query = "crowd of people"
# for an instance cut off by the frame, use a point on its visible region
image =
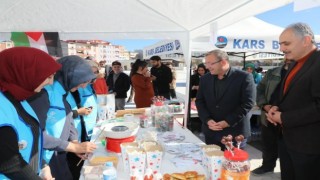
(49, 107)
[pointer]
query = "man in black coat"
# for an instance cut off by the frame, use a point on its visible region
(161, 77)
(224, 98)
(118, 83)
(298, 111)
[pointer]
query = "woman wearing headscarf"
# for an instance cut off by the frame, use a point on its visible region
(83, 97)
(142, 84)
(60, 126)
(23, 73)
(251, 68)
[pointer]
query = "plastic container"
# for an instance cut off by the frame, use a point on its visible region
(144, 121)
(109, 172)
(236, 165)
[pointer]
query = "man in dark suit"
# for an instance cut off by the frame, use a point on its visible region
(298, 111)
(224, 98)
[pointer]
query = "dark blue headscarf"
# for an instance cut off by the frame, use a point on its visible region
(74, 72)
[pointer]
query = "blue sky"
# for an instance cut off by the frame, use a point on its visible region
(282, 17)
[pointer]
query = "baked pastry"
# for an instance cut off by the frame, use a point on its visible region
(166, 177)
(178, 176)
(190, 174)
(201, 177)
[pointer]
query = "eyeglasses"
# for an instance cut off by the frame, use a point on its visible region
(207, 64)
(96, 72)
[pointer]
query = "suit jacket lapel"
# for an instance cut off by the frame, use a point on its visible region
(291, 66)
(300, 73)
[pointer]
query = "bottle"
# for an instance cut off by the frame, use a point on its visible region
(109, 172)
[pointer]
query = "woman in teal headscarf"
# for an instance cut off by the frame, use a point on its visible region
(250, 68)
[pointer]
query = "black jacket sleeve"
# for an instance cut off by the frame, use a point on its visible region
(11, 162)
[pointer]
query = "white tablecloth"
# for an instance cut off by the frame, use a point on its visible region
(167, 165)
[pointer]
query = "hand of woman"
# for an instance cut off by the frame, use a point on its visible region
(147, 74)
(86, 147)
(81, 148)
(84, 111)
(45, 173)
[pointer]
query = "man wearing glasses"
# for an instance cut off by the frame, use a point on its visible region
(224, 98)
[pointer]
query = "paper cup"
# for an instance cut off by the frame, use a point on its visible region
(214, 160)
(137, 160)
(124, 155)
(207, 148)
(102, 112)
(102, 99)
(154, 158)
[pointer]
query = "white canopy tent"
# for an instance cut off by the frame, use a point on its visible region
(127, 19)
(250, 34)
(246, 38)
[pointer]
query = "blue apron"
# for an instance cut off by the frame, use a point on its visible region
(87, 98)
(9, 117)
(56, 116)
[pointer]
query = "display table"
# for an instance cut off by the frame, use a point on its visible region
(167, 165)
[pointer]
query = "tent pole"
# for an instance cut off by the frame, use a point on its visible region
(187, 56)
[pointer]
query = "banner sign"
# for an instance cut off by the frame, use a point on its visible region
(246, 44)
(162, 48)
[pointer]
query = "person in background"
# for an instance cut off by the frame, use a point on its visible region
(119, 84)
(195, 79)
(298, 110)
(83, 97)
(268, 91)
(195, 123)
(173, 83)
(141, 83)
(161, 76)
(99, 84)
(62, 136)
(131, 89)
(24, 72)
(224, 98)
(250, 68)
(259, 71)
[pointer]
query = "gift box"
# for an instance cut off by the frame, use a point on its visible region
(137, 160)
(124, 155)
(154, 158)
(214, 164)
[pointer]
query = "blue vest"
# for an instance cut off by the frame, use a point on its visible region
(87, 98)
(56, 116)
(9, 117)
